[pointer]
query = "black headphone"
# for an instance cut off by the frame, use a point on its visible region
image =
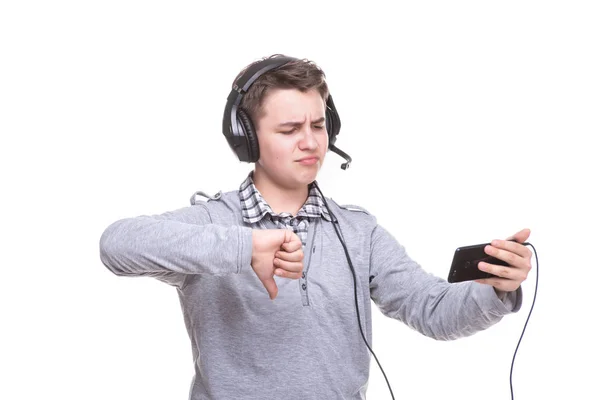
(237, 125)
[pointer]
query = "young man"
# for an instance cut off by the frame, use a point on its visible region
(266, 288)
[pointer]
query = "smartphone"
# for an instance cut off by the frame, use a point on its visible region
(465, 261)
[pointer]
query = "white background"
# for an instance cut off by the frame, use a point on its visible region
(466, 120)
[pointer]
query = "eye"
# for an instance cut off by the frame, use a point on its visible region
(319, 127)
(289, 132)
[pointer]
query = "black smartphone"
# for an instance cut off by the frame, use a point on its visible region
(465, 261)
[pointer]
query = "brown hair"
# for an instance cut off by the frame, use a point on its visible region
(299, 74)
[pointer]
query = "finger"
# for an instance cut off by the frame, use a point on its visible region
(514, 260)
(295, 256)
(288, 266)
(520, 236)
(505, 285)
(501, 271)
(286, 274)
(291, 241)
(514, 247)
(271, 287)
(291, 246)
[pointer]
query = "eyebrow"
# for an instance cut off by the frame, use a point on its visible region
(296, 123)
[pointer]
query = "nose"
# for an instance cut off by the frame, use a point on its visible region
(308, 140)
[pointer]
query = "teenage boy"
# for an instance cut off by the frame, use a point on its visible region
(266, 287)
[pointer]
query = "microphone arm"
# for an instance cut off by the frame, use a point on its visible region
(343, 155)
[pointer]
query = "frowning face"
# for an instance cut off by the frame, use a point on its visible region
(292, 137)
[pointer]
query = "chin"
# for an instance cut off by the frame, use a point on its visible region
(300, 180)
(309, 178)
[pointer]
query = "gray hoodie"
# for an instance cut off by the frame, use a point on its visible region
(306, 343)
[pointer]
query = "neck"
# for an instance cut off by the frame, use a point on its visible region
(280, 198)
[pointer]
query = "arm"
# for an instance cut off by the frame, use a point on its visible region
(175, 244)
(404, 291)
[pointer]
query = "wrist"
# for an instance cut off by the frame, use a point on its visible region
(501, 294)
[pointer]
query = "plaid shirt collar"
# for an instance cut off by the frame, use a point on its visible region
(254, 207)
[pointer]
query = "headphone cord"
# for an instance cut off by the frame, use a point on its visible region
(537, 272)
(334, 221)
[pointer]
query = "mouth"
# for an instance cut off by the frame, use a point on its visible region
(313, 158)
(308, 160)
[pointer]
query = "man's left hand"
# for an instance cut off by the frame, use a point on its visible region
(516, 255)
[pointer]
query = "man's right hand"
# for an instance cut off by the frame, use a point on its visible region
(276, 251)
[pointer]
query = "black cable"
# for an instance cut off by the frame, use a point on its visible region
(334, 221)
(537, 272)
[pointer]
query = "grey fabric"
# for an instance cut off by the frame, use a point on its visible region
(304, 344)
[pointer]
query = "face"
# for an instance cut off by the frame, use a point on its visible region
(292, 138)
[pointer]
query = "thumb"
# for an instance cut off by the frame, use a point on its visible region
(520, 236)
(271, 287)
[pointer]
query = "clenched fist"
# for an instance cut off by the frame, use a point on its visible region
(276, 252)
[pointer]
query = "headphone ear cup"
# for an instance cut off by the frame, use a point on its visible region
(246, 122)
(332, 119)
(329, 126)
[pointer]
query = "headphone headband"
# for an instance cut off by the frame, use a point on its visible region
(255, 71)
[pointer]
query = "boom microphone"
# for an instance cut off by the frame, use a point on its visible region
(343, 155)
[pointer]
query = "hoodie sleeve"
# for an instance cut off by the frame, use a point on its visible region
(430, 305)
(175, 244)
